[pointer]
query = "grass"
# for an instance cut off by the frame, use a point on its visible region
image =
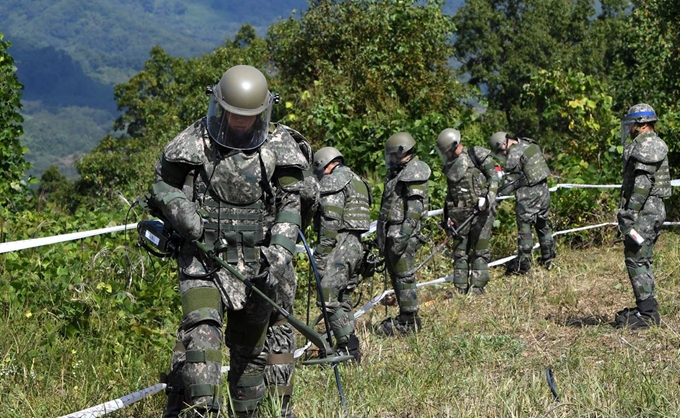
(482, 356)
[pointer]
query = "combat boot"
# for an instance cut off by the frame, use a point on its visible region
(643, 316)
(175, 393)
(517, 266)
(350, 347)
(402, 324)
(475, 290)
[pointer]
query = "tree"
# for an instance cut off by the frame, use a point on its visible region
(354, 72)
(12, 164)
(502, 43)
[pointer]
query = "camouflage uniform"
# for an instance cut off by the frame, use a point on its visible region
(246, 206)
(471, 176)
(532, 201)
(404, 204)
(646, 181)
(344, 214)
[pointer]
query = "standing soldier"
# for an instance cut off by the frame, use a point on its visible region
(523, 157)
(343, 215)
(472, 184)
(404, 204)
(646, 181)
(242, 200)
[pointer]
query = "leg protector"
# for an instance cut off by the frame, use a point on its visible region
(202, 337)
(479, 274)
(280, 367)
(175, 386)
(639, 266)
(460, 267)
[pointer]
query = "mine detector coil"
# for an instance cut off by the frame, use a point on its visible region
(154, 236)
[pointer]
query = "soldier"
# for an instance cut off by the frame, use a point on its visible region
(343, 215)
(523, 157)
(646, 181)
(472, 184)
(404, 204)
(232, 180)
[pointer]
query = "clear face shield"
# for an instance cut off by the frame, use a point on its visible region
(240, 129)
(500, 151)
(444, 153)
(626, 125)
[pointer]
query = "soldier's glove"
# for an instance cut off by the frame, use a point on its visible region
(448, 226)
(482, 204)
(626, 219)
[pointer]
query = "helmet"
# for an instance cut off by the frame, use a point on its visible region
(638, 114)
(323, 157)
(397, 147)
(497, 142)
(448, 140)
(240, 109)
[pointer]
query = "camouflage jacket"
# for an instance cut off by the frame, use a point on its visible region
(234, 201)
(645, 171)
(405, 200)
(526, 156)
(470, 176)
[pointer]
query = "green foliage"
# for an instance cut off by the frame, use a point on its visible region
(13, 189)
(502, 43)
(354, 73)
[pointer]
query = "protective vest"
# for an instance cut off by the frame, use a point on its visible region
(534, 166)
(465, 180)
(235, 191)
(410, 181)
(345, 203)
(647, 153)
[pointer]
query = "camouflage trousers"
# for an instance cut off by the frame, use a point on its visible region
(638, 258)
(400, 269)
(471, 252)
(532, 209)
(337, 268)
(260, 343)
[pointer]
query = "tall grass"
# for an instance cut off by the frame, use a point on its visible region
(482, 356)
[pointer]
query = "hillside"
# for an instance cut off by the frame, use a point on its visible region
(481, 356)
(70, 54)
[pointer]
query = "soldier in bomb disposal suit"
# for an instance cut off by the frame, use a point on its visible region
(524, 157)
(343, 215)
(472, 184)
(646, 182)
(404, 204)
(245, 205)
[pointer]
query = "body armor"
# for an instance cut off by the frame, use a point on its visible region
(399, 185)
(527, 156)
(647, 153)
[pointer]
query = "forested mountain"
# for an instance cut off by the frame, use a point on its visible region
(70, 54)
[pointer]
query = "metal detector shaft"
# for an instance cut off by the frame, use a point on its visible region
(305, 330)
(455, 233)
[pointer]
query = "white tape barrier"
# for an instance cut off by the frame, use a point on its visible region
(120, 403)
(37, 242)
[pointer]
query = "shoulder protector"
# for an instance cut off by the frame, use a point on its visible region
(189, 145)
(415, 171)
(649, 149)
(302, 142)
(286, 150)
(335, 181)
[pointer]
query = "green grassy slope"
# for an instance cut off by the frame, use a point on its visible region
(480, 356)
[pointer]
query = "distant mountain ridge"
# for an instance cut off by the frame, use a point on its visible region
(70, 54)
